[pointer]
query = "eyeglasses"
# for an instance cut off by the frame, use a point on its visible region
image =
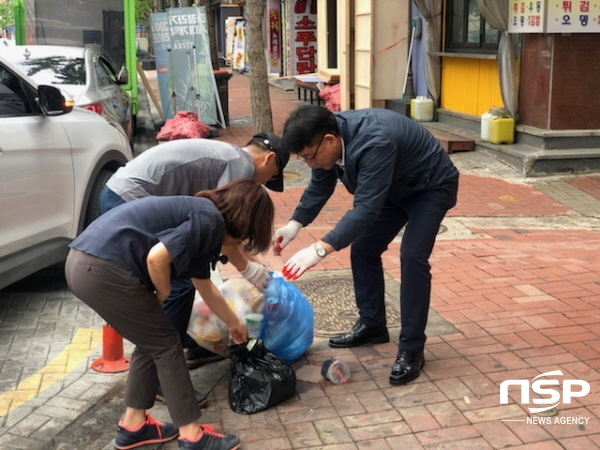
(312, 158)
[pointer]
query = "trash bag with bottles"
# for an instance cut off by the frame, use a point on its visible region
(281, 317)
(288, 319)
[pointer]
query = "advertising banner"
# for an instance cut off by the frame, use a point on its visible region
(229, 38)
(185, 73)
(576, 16)
(274, 37)
(239, 46)
(543, 16)
(526, 16)
(303, 37)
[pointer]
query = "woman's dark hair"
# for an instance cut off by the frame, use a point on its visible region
(248, 212)
(306, 125)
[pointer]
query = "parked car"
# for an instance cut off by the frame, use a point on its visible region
(54, 160)
(86, 73)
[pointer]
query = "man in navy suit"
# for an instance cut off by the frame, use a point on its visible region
(400, 176)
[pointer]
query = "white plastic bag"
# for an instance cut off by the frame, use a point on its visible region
(210, 332)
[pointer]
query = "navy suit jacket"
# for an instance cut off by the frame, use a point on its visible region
(389, 158)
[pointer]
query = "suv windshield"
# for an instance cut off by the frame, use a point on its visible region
(54, 69)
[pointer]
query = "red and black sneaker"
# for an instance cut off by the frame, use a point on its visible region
(151, 432)
(211, 440)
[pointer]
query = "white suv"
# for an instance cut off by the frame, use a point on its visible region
(54, 160)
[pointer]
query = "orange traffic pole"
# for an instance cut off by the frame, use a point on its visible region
(112, 360)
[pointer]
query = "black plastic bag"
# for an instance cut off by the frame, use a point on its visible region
(257, 378)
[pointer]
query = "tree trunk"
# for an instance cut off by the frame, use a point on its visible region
(259, 81)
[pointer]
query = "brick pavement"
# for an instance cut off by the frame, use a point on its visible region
(520, 287)
(524, 302)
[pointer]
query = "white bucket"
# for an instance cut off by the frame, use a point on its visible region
(422, 109)
(485, 125)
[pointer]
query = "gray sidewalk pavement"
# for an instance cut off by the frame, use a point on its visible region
(515, 295)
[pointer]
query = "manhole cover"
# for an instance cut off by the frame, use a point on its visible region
(289, 177)
(296, 173)
(331, 292)
(335, 306)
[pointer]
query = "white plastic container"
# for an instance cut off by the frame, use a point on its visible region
(485, 125)
(422, 109)
(336, 371)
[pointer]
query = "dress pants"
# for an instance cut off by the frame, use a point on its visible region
(128, 306)
(422, 214)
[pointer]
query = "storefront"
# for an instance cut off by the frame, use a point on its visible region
(290, 36)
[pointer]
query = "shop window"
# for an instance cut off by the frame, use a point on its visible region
(467, 30)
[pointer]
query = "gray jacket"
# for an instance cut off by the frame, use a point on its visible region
(181, 167)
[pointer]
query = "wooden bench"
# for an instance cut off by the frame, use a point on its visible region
(451, 142)
(308, 89)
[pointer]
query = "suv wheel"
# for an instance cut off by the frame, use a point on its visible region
(93, 208)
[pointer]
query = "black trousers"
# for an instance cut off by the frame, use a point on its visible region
(128, 306)
(422, 215)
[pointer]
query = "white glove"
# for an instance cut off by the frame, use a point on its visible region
(284, 235)
(301, 262)
(257, 274)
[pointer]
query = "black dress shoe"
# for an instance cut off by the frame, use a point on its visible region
(359, 335)
(407, 367)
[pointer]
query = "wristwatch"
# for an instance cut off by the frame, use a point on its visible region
(321, 252)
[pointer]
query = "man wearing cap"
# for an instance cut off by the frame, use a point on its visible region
(184, 167)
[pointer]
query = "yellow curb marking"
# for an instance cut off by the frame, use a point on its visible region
(72, 356)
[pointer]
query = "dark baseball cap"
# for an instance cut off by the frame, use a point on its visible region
(274, 144)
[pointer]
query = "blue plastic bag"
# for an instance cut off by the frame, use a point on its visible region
(288, 320)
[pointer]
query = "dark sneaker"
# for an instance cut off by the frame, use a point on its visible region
(200, 398)
(151, 432)
(198, 357)
(211, 440)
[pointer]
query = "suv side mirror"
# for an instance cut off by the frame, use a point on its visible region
(52, 102)
(123, 76)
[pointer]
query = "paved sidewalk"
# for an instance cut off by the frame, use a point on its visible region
(516, 289)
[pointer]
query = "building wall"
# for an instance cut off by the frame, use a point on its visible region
(560, 74)
(470, 85)
(536, 71)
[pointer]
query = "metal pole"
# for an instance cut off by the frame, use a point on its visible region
(408, 61)
(172, 83)
(196, 77)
